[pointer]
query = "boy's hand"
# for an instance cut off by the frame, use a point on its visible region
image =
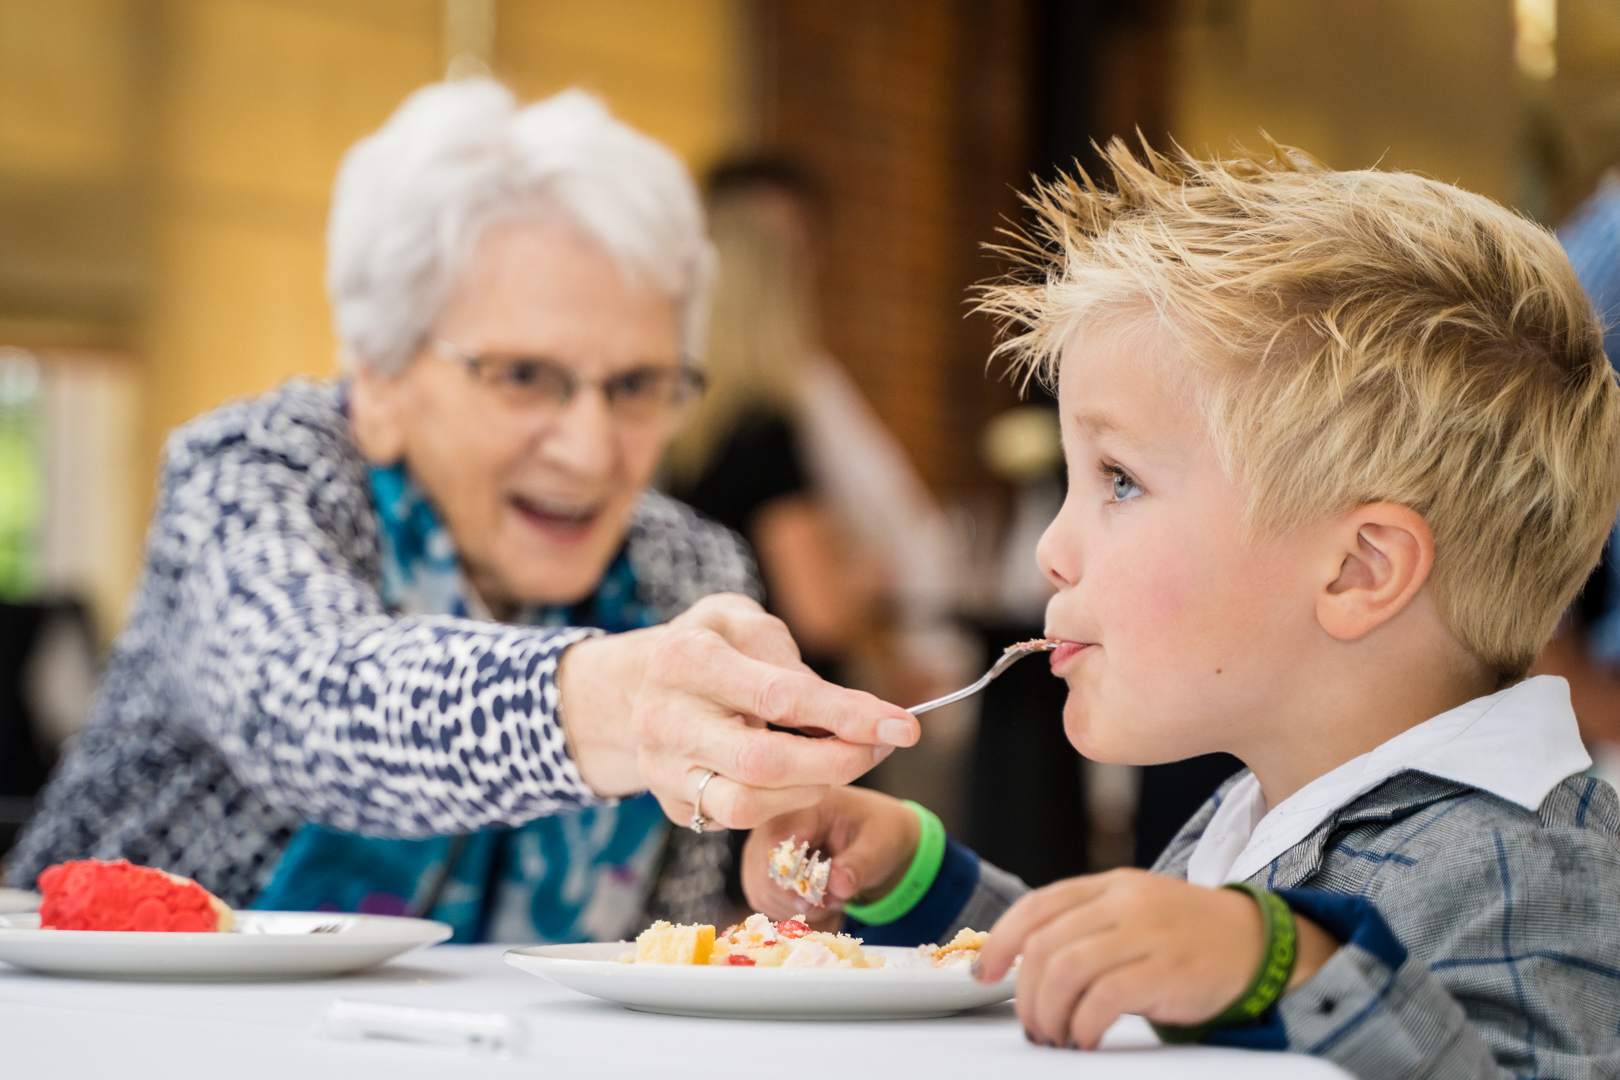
(1129, 941)
(870, 838)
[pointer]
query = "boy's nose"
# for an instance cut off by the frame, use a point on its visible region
(1056, 554)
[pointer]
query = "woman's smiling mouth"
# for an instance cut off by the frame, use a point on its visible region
(557, 522)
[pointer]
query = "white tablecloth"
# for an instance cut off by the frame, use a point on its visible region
(243, 1031)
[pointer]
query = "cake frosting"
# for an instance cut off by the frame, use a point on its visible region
(90, 894)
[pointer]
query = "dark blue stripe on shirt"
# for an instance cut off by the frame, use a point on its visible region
(1351, 919)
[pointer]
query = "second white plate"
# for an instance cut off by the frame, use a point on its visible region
(265, 945)
(907, 988)
(17, 901)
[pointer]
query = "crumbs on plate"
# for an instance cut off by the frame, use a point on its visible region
(961, 949)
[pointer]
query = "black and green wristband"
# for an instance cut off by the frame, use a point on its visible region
(1270, 979)
(919, 877)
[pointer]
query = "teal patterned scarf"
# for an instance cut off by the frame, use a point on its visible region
(582, 875)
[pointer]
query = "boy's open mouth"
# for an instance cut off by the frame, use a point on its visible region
(1065, 652)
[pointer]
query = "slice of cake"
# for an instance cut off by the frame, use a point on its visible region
(663, 943)
(90, 894)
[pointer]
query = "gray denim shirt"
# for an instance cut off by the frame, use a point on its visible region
(1510, 922)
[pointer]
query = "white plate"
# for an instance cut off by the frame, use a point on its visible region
(264, 945)
(17, 901)
(905, 988)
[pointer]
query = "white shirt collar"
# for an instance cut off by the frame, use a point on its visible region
(1517, 744)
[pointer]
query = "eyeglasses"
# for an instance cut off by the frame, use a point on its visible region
(642, 395)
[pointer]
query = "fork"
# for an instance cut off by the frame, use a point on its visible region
(805, 872)
(1011, 656)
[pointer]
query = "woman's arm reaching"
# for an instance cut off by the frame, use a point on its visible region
(283, 654)
(334, 710)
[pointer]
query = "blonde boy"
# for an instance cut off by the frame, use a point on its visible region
(1341, 447)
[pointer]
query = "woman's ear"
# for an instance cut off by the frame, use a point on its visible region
(1383, 553)
(376, 414)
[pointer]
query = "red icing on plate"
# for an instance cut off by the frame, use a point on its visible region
(792, 928)
(739, 960)
(93, 895)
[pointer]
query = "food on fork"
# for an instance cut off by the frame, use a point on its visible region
(755, 942)
(1039, 644)
(961, 949)
(90, 894)
(800, 870)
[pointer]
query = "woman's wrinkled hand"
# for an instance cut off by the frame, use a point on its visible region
(657, 709)
(1127, 941)
(870, 838)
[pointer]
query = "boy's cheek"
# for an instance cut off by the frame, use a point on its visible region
(1185, 619)
(1172, 618)
(1121, 595)
(1159, 615)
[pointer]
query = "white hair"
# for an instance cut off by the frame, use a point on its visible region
(411, 199)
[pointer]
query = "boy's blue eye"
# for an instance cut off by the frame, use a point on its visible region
(1124, 487)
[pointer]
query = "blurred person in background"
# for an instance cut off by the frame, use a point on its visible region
(1586, 650)
(785, 450)
(366, 668)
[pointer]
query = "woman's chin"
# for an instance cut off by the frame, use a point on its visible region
(545, 570)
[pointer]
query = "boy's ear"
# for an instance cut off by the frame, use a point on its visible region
(376, 415)
(1383, 553)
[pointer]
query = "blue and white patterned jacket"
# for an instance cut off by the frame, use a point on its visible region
(261, 683)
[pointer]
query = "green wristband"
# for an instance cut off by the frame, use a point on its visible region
(1270, 979)
(919, 877)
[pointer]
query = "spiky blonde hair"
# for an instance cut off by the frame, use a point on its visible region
(1355, 337)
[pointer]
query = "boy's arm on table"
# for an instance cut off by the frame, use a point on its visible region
(1520, 973)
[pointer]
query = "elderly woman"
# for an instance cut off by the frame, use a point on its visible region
(366, 666)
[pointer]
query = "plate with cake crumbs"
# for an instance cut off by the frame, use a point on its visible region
(765, 970)
(116, 920)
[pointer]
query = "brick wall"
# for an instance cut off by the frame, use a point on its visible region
(914, 116)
